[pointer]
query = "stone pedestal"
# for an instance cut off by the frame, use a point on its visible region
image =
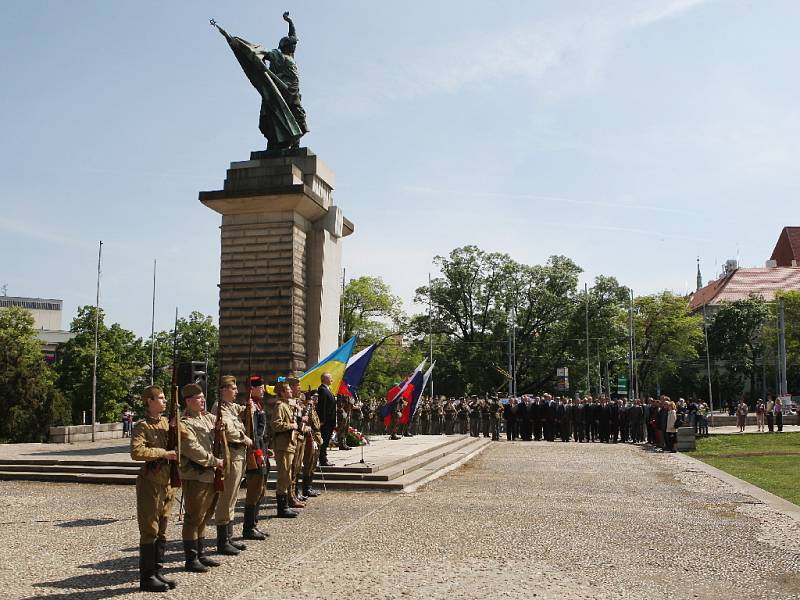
(280, 268)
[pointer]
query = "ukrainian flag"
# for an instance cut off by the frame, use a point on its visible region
(335, 364)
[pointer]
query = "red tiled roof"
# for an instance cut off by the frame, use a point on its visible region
(739, 284)
(787, 248)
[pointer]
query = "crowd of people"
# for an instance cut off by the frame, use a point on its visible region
(208, 453)
(545, 417)
(213, 451)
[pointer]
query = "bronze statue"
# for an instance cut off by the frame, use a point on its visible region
(282, 119)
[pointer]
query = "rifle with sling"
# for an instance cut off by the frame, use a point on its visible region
(218, 448)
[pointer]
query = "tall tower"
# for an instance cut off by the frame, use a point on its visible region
(699, 276)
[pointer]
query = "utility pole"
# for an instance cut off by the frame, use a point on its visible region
(783, 387)
(708, 368)
(588, 360)
(510, 358)
(634, 374)
(96, 342)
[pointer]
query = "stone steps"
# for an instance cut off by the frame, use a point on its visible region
(393, 474)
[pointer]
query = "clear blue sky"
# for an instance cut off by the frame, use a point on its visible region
(630, 136)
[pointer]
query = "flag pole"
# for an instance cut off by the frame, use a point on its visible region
(430, 325)
(96, 342)
(153, 329)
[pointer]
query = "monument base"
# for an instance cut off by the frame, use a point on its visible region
(280, 267)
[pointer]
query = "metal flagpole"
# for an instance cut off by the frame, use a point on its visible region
(783, 387)
(96, 342)
(430, 325)
(629, 391)
(153, 330)
(514, 350)
(588, 369)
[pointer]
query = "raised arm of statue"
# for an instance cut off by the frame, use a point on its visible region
(288, 19)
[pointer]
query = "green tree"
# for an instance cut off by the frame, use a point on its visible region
(197, 339)
(121, 367)
(473, 302)
(736, 340)
(667, 337)
(371, 312)
(29, 402)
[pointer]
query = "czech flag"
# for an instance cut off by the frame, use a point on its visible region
(335, 364)
(355, 370)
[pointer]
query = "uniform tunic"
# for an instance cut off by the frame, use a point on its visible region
(284, 444)
(231, 414)
(154, 496)
(197, 472)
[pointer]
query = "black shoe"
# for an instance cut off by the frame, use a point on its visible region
(238, 545)
(394, 437)
(326, 463)
(344, 447)
(160, 544)
(308, 491)
(209, 562)
(298, 493)
(284, 512)
(193, 563)
(249, 530)
(148, 582)
(223, 543)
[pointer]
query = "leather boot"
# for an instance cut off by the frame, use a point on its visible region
(193, 563)
(223, 543)
(148, 582)
(298, 494)
(160, 547)
(294, 502)
(209, 562)
(308, 491)
(249, 531)
(238, 545)
(255, 521)
(284, 511)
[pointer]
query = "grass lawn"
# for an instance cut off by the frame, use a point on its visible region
(770, 461)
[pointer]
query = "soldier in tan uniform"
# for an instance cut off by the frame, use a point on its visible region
(343, 408)
(296, 499)
(284, 428)
(198, 464)
(313, 444)
(154, 496)
(237, 443)
(257, 465)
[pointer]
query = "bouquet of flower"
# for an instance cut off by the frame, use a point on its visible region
(355, 438)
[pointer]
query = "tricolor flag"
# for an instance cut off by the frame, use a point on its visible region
(404, 390)
(335, 364)
(418, 395)
(354, 372)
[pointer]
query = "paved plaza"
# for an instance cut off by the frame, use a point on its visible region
(546, 520)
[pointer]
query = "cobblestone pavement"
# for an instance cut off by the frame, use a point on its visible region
(522, 520)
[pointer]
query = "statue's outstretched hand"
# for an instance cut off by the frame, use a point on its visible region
(286, 17)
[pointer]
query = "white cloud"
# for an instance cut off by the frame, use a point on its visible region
(529, 52)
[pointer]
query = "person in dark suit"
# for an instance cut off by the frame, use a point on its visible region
(550, 420)
(326, 409)
(613, 420)
(535, 415)
(578, 414)
(523, 419)
(603, 421)
(508, 416)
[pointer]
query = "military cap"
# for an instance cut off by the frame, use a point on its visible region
(227, 380)
(191, 389)
(256, 381)
(292, 380)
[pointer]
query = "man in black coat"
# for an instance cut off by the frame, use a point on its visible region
(578, 417)
(550, 419)
(326, 409)
(535, 416)
(613, 420)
